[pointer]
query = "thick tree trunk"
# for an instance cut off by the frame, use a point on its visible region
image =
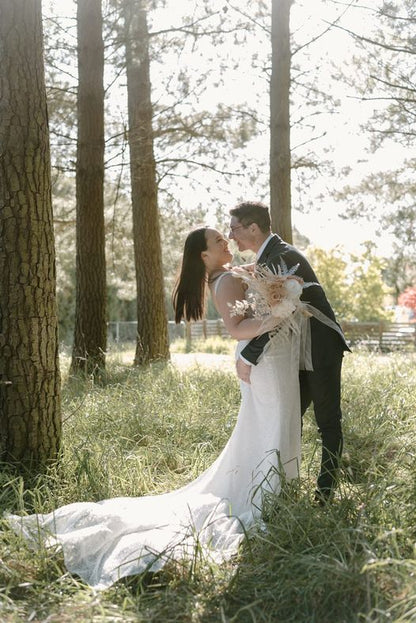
(280, 201)
(30, 421)
(90, 337)
(152, 332)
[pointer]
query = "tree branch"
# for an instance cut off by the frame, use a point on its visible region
(250, 19)
(332, 24)
(376, 43)
(198, 164)
(394, 86)
(310, 140)
(392, 132)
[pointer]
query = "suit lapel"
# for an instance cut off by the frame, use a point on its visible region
(274, 246)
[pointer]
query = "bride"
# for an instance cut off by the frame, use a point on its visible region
(105, 541)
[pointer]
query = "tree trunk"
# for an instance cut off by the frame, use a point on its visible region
(30, 420)
(90, 337)
(280, 203)
(152, 332)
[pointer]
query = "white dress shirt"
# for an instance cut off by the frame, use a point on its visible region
(263, 246)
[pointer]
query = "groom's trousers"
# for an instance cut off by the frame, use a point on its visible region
(322, 387)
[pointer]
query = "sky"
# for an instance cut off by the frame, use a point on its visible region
(350, 145)
(321, 222)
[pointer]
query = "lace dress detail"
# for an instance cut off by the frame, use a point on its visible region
(118, 537)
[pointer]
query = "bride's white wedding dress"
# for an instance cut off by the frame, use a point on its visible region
(114, 538)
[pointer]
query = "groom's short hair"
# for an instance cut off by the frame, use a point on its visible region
(248, 212)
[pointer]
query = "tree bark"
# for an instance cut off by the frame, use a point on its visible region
(30, 421)
(152, 332)
(90, 336)
(280, 196)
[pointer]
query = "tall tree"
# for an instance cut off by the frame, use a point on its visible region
(280, 202)
(152, 332)
(90, 337)
(30, 420)
(383, 74)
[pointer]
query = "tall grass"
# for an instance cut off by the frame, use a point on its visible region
(214, 344)
(153, 430)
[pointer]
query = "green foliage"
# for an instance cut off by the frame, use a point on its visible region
(367, 287)
(354, 285)
(390, 196)
(154, 429)
(331, 270)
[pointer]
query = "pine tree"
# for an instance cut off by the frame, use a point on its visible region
(152, 333)
(90, 337)
(280, 164)
(30, 421)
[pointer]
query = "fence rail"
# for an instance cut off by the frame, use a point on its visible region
(384, 336)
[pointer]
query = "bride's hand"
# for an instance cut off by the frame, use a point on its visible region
(243, 370)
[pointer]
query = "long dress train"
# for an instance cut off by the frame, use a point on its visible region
(118, 537)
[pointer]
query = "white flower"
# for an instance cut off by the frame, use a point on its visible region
(240, 308)
(275, 292)
(293, 288)
(283, 309)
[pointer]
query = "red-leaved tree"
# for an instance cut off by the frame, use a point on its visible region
(408, 298)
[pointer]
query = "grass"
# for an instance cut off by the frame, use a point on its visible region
(214, 344)
(155, 429)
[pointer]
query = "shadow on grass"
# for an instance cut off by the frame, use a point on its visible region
(308, 564)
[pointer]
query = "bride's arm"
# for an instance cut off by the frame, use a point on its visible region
(230, 290)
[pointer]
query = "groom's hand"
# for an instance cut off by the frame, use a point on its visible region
(243, 370)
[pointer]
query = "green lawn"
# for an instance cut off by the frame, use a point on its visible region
(153, 430)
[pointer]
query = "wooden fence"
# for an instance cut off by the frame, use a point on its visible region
(382, 336)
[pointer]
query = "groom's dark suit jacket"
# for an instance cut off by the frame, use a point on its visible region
(327, 344)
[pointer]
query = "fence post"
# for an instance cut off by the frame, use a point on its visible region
(188, 337)
(204, 329)
(380, 334)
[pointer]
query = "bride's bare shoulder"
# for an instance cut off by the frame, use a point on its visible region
(229, 284)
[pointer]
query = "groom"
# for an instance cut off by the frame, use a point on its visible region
(250, 228)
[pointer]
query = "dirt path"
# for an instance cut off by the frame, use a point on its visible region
(187, 360)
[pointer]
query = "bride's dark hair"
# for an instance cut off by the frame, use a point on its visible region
(189, 293)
